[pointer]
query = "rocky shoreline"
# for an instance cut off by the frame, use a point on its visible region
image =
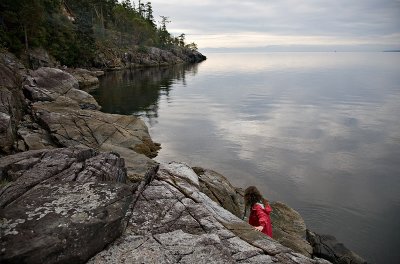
(79, 185)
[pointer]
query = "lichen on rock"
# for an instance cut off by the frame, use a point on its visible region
(62, 205)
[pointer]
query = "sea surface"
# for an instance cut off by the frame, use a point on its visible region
(318, 131)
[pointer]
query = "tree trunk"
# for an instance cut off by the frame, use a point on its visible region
(102, 20)
(26, 39)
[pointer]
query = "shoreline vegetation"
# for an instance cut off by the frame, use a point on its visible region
(103, 34)
(80, 186)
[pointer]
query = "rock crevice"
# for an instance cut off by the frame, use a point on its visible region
(171, 226)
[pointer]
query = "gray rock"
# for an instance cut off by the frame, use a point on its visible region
(48, 84)
(172, 221)
(28, 169)
(66, 205)
(289, 228)
(61, 206)
(327, 247)
(188, 55)
(220, 190)
(33, 136)
(85, 77)
(68, 117)
(12, 103)
(70, 126)
(64, 116)
(6, 132)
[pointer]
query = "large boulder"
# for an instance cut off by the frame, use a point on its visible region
(48, 84)
(85, 77)
(174, 222)
(61, 206)
(220, 190)
(327, 247)
(289, 228)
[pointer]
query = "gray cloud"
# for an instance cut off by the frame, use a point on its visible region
(342, 19)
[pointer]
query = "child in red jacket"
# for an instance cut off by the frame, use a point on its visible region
(259, 210)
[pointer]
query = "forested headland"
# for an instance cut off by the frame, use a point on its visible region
(75, 31)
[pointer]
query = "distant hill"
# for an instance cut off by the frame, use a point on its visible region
(303, 48)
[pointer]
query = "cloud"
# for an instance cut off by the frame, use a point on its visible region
(215, 23)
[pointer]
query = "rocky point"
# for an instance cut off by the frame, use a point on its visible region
(80, 186)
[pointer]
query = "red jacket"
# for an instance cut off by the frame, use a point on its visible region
(259, 216)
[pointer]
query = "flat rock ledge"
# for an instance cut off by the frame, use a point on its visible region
(72, 205)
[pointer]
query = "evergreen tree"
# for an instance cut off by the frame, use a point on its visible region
(149, 14)
(181, 40)
(165, 37)
(192, 46)
(141, 9)
(71, 29)
(22, 24)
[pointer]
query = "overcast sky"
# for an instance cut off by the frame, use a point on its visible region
(259, 23)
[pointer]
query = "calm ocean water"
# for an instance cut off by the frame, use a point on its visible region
(319, 131)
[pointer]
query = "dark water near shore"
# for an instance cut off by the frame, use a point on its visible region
(319, 131)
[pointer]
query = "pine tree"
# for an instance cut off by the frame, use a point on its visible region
(181, 39)
(149, 13)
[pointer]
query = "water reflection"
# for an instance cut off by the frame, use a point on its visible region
(138, 91)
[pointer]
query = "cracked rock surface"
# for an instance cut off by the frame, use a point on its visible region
(71, 206)
(70, 126)
(172, 221)
(61, 206)
(71, 118)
